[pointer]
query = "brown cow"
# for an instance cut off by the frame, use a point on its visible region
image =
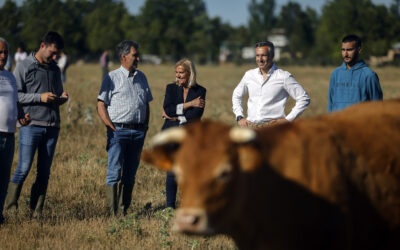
(330, 182)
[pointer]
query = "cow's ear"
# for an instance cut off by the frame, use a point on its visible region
(249, 156)
(160, 156)
(164, 146)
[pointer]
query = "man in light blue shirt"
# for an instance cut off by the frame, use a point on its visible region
(8, 120)
(353, 81)
(123, 106)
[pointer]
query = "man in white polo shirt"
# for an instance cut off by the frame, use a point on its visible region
(268, 88)
(8, 120)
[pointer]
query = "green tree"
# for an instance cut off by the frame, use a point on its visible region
(262, 19)
(178, 28)
(10, 24)
(74, 33)
(395, 11)
(395, 8)
(342, 17)
(104, 26)
(166, 27)
(40, 16)
(299, 27)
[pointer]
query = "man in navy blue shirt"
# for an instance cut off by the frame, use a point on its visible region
(353, 81)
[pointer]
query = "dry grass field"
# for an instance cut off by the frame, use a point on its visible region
(74, 214)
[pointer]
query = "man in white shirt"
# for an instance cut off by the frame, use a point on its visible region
(8, 120)
(268, 88)
(20, 55)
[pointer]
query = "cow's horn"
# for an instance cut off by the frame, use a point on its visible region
(242, 135)
(168, 136)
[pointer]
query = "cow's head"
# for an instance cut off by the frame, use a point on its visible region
(209, 160)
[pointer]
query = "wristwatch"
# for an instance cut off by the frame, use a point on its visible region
(239, 118)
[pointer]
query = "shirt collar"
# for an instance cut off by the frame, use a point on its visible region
(126, 72)
(270, 71)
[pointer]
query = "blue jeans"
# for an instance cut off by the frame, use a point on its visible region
(6, 157)
(44, 139)
(124, 147)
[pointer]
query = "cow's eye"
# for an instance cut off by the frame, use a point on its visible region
(223, 172)
(172, 147)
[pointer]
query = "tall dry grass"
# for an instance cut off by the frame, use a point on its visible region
(74, 215)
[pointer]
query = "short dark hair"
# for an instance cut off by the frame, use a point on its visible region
(271, 50)
(53, 37)
(124, 47)
(352, 38)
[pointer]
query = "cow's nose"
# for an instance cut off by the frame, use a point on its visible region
(190, 220)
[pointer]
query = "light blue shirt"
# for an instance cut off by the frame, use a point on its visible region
(126, 96)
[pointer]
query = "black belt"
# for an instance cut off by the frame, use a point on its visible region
(134, 126)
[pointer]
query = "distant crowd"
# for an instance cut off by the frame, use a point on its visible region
(30, 98)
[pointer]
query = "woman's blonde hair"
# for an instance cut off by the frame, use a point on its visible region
(189, 67)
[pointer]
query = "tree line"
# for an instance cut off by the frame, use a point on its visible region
(176, 28)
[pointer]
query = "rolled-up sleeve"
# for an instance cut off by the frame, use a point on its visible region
(105, 90)
(149, 95)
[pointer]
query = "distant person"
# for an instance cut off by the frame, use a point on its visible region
(268, 88)
(354, 81)
(184, 102)
(20, 55)
(40, 93)
(123, 106)
(104, 60)
(62, 63)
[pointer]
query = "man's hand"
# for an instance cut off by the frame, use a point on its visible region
(48, 97)
(278, 121)
(63, 98)
(243, 123)
(165, 116)
(103, 114)
(25, 121)
(198, 103)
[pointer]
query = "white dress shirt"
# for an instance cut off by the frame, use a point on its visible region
(267, 98)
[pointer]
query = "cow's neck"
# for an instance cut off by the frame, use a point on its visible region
(274, 208)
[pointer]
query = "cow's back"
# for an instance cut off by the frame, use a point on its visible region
(349, 158)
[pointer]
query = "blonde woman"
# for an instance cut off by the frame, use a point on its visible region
(184, 102)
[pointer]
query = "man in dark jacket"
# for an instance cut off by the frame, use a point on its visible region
(353, 81)
(40, 93)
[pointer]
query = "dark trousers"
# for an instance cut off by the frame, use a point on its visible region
(171, 189)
